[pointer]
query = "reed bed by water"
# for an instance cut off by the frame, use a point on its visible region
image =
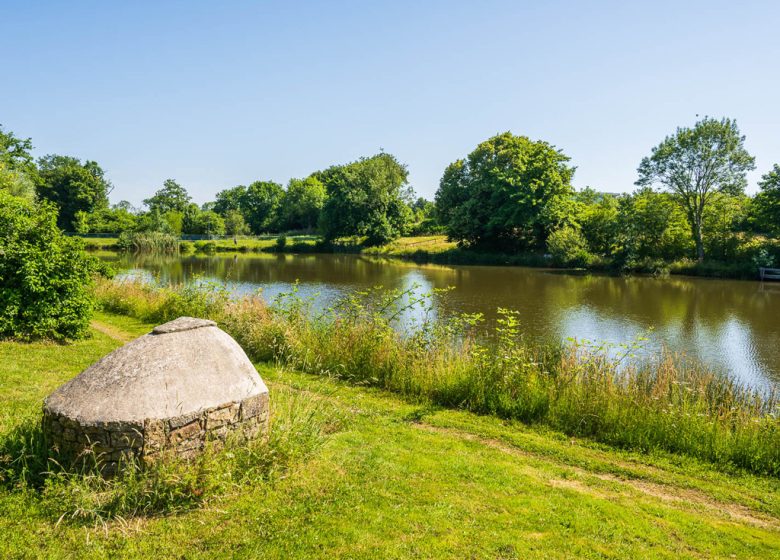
(659, 404)
(148, 242)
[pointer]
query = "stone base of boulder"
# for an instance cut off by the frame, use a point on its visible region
(109, 445)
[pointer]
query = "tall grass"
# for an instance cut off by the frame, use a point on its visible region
(299, 424)
(665, 404)
(148, 242)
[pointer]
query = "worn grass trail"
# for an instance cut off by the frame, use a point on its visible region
(404, 481)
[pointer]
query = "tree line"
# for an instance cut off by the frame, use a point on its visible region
(510, 194)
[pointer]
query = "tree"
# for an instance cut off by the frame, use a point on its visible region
(694, 164)
(45, 277)
(767, 202)
(231, 199)
(17, 169)
(260, 205)
(302, 203)
(597, 214)
(509, 193)
(651, 225)
(235, 223)
(171, 197)
(210, 223)
(368, 197)
(72, 186)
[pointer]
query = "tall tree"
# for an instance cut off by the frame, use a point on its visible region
(302, 203)
(694, 164)
(72, 186)
(171, 197)
(509, 193)
(260, 205)
(767, 201)
(369, 197)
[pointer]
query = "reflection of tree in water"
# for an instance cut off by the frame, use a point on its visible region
(713, 320)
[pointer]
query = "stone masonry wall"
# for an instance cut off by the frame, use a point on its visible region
(113, 443)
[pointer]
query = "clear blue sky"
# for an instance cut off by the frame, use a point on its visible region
(216, 94)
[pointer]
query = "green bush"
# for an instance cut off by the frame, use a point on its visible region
(45, 277)
(568, 247)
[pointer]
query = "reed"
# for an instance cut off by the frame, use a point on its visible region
(148, 242)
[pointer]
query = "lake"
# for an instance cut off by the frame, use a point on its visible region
(731, 326)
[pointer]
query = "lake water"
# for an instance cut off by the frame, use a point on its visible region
(731, 326)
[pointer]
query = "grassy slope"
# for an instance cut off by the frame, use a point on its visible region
(403, 481)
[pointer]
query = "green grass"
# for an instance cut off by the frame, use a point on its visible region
(400, 480)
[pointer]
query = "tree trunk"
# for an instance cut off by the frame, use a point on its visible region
(697, 236)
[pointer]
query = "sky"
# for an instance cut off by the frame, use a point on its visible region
(216, 94)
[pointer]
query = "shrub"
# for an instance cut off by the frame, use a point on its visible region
(208, 247)
(281, 242)
(45, 277)
(568, 247)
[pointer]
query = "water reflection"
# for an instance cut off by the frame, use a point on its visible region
(732, 326)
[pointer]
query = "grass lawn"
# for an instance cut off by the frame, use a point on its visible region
(399, 480)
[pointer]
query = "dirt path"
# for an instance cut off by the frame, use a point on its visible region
(684, 498)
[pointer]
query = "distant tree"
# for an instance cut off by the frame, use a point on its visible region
(110, 220)
(301, 204)
(231, 199)
(190, 218)
(509, 193)
(260, 205)
(235, 223)
(17, 169)
(767, 202)
(171, 197)
(368, 197)
(725, 217)
(694, 164)
(651, 225)
(72, 186)
(210, 223)
(597, 214)
(126, 206)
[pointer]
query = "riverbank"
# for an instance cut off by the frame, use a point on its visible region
(391, 479)
(436, 249)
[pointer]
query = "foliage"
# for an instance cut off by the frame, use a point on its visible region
(652, 227)
(368, 197)
(171, 197)
(509, 193)
(235, 223)
(209, 223)
(696, 163)
(301, 204)
(568, 247)
(767, 202)
(45, 277)
(72, 186)
(597, 214)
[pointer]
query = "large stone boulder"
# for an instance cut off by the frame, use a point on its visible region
(167, 392)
